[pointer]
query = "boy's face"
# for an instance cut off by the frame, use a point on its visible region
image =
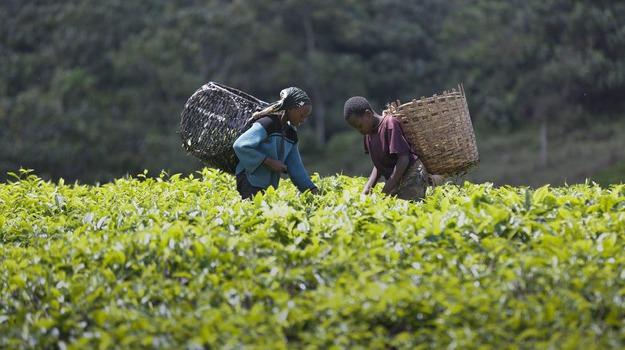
(363, 123)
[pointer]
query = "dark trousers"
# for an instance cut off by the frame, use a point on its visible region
(413, 184)
(245, 188)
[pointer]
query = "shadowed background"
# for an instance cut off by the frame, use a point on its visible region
(93, 90)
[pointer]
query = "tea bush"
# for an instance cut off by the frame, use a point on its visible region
(181, 262)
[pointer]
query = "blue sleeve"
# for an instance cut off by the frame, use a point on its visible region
(246, 148)
(297, 172)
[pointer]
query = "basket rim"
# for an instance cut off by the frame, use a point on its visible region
(457, 92)
(235, 91)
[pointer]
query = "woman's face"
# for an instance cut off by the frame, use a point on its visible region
(298, 115)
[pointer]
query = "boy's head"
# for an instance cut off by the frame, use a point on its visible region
(359, 114)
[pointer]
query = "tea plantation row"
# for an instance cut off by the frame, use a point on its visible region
(181, 262)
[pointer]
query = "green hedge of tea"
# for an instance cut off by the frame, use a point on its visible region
(174, 262)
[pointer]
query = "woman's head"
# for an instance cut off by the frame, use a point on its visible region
(359, 114)
(295, 103)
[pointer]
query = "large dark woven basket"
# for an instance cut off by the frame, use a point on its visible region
(212, 119)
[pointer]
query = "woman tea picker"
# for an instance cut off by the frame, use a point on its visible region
(269, 147)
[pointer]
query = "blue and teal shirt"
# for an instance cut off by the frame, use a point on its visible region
(262, 140)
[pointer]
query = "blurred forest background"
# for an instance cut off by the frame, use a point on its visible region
(93, 90)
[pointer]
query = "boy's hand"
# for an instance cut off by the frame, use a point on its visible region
(390, 186)
(373, 179)
(275, 165)
(389, 190)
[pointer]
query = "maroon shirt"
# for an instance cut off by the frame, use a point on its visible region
(386, 144)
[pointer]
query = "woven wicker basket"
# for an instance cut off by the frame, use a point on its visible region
(212, 119)
(440, 130)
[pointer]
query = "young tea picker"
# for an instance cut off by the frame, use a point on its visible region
(390, 152)
(269, 147)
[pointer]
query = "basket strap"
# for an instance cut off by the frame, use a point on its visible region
(280, 151)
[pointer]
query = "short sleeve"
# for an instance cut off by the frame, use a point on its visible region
(397, 141)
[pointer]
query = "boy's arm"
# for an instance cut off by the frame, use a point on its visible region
(403, 160)
(399, 146)
(373, 179)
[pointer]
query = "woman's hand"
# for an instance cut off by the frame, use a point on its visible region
(275, 165)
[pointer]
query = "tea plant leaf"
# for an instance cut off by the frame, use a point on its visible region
(178, 261)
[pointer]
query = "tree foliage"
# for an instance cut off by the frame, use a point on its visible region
(93, 90)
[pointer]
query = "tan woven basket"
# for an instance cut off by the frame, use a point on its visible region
(440, 130)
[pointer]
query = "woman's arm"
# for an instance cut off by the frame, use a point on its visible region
(373, 180)
(246, 148)
(391, 184)
(297, 172)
